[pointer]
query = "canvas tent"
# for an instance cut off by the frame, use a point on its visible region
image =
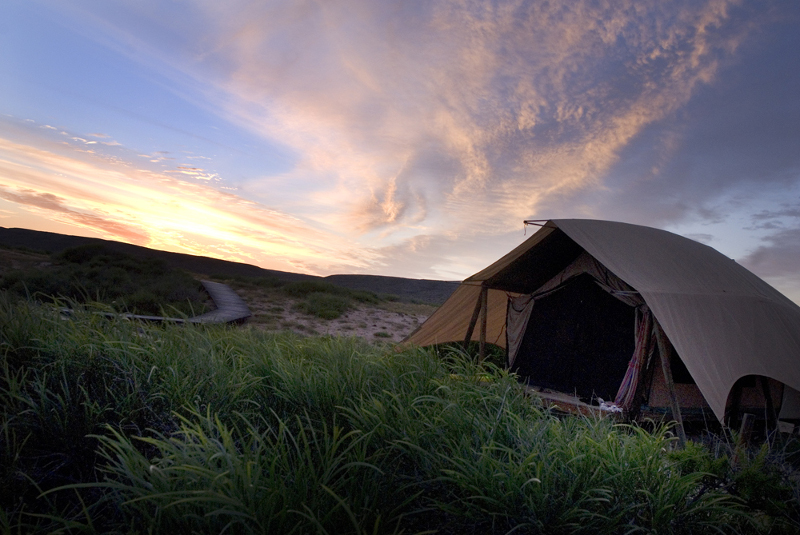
(634, 292)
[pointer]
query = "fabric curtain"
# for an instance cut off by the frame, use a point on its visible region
(519, 312)
(642, 352)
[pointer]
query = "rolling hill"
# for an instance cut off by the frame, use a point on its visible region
(422, 290)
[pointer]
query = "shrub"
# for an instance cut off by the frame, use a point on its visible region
(303, 288)
(364, 296)
(324, 305)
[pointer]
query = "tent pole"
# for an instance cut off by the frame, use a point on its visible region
(484, 319)
(772, 417)
(666, 368)
(732, 413)
(473, 320)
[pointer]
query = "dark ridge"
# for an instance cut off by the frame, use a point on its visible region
(52, 242)
(420, 290)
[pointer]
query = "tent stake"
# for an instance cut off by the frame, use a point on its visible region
(663, 351)
(484, 317)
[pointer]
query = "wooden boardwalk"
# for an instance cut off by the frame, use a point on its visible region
(230, 307)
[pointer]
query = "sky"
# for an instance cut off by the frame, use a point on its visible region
(404, 138)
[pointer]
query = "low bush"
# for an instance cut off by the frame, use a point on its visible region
(303, 288)
(324, 305)
(326, 300)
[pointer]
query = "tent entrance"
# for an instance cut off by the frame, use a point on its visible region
(579, 339)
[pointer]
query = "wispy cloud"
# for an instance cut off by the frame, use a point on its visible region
(117, 200)
(457, 107)
(194, 172)
(779, 256)
(53, 205)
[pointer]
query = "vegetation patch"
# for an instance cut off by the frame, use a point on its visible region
(93, 273)
(324, 305)
(303, 289)
(326, 300)
(117, 427)
(253, 282)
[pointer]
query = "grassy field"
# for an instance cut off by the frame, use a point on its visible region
(112, 426)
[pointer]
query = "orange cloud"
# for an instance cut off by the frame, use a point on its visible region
(118, 201)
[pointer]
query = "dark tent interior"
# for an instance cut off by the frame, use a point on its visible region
(579, 340)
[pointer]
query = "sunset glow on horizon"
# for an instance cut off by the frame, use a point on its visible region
(407, 139)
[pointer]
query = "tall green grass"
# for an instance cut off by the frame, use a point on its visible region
(113, 426)
(95, 273)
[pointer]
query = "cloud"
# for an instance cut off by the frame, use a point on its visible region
(431, 110)
(773, 218)
(732, 145)
(115, 199)
(194, 172)
(778, 257)
(48, 202)
(447, 256)
(512, 104)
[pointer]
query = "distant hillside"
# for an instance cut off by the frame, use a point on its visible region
(428, 291)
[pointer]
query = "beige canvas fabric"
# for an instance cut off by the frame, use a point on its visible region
(450, 322)
(723, 320)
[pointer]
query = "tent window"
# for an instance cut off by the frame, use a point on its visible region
(578, 340)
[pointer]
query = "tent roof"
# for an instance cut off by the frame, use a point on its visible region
(723, 320)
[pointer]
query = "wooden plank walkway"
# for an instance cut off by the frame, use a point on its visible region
(230, 307)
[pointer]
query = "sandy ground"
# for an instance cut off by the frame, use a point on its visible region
(386, 322)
